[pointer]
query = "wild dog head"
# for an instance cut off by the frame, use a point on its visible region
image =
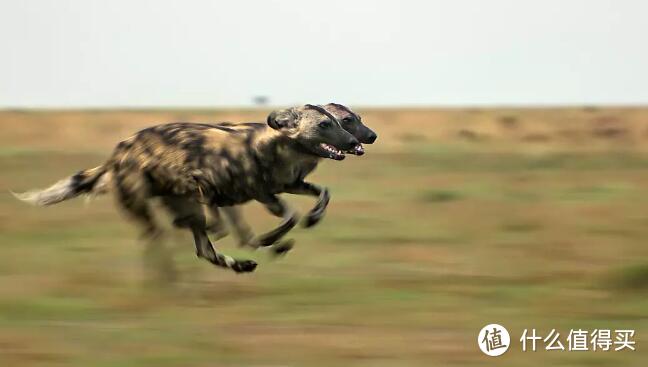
(314, 131)
(352, 123)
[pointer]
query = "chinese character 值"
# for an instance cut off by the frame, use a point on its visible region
(577, 340)
(493, 340)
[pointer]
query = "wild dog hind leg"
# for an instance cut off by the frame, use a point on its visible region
(132, 195)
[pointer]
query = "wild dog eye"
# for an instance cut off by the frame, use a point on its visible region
(347, 119)
(325, 124)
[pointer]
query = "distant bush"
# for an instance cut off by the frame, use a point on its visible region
(536, 138)
(610, 132)
(591, 109)
(470, 135)
(509, 122)
(632, 277)
(440, 196)
(521, 227)
(411, 138)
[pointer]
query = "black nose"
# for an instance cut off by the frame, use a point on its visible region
(371, 138)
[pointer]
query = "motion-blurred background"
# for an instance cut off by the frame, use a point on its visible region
(508, 183)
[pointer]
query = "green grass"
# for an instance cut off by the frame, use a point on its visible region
(419, 249)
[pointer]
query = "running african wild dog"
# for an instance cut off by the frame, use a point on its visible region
(350, 121)
(191, 164)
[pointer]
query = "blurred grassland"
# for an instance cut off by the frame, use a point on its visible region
(532, 218)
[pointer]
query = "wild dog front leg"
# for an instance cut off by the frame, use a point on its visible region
(279, 208)
(189, 214)
(307, 188)
(205, 250)
(243, 232)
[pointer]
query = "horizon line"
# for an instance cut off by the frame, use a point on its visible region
(358, 106)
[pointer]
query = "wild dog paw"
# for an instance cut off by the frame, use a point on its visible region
(244, 266)
(269, 239)
(315, 215)
(313, 218)
(261, 241)
(283, 247)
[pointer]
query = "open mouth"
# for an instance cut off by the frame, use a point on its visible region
(358, 150)
(332, 152)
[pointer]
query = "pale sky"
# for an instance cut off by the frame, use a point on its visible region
(157, 53)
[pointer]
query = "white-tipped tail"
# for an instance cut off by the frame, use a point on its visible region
(56, 193)
(83, 182)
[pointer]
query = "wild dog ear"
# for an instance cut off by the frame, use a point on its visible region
(282, 119)
(342, 108)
